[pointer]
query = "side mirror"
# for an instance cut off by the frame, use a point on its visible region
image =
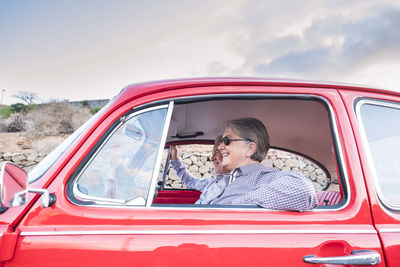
(13, 180)
(13, 188)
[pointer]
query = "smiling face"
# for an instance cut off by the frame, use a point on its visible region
(216, 159)
(237, 153)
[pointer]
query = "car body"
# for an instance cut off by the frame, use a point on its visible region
(95, 200)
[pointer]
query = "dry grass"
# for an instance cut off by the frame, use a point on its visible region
(47, 144)
(55, 119)
(41, 130)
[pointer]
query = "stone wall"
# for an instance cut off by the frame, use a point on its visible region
(199, 164)
(27, 159)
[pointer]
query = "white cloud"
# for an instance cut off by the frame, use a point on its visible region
(334, 45)
(91, 49)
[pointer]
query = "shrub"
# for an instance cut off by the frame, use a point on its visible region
(55, 119)
(85, 104)
(15, 123)
(5, 111)
(32, 107)
(19, 107)
(94, 110)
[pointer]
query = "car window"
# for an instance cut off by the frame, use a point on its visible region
(381, 126)
(296, 126)
(121, 170)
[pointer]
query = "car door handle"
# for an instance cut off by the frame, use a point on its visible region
(357, 257)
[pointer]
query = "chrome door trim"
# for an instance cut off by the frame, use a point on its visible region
(389, 230)
(194, 232)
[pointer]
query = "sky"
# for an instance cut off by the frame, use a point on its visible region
(91, 49)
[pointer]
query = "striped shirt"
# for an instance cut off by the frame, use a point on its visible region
(253, 184)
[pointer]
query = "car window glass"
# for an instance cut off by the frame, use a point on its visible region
(382, 128)
(122, 169)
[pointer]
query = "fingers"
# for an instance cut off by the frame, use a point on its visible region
(174, 153)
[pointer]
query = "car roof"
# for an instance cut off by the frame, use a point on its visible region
(144, 88)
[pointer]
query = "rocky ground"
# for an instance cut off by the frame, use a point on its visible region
(13, 142)
(15, 147)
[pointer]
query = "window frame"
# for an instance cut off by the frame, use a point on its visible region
(337, 146)
(371, 164)
(76, 197)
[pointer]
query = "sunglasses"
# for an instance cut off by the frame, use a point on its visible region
(227, 141)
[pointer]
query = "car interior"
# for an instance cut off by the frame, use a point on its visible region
(299, 125)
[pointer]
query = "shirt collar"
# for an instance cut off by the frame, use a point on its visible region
(247, 169)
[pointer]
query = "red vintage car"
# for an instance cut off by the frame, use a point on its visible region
(98, 199)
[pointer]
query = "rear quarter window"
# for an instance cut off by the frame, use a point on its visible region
(380, 125)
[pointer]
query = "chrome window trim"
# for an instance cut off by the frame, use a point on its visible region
(105, 201)
(340, 156)
(365, 143)
(196, 232)
(159, 154)
(196, 208)
(2, 170)
(335, 137)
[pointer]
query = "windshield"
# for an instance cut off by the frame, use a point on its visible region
(49, 160)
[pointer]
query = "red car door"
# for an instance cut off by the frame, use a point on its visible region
(118, 233)
(376, 118)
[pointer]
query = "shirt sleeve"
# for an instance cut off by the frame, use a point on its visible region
(289, 191)
(187, 178)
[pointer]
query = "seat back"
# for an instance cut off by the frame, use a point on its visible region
(328, 198)
(177, 197)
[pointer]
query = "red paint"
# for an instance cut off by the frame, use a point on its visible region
(7, 245)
